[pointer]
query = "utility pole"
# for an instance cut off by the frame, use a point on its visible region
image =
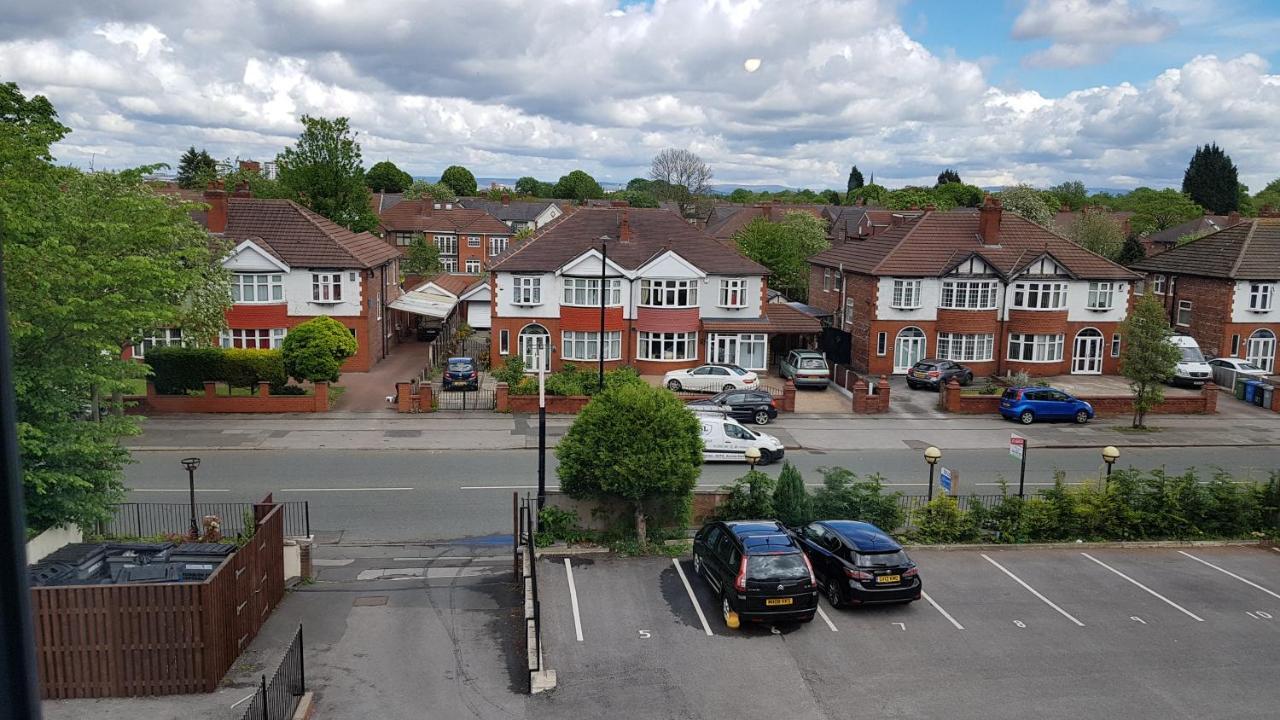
(542, 421)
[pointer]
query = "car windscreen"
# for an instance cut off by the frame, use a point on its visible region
(788, 566)
(460, 367)
(924, 366)
(813, 364)
(887, 559)
(1191, 354)
(738, 370)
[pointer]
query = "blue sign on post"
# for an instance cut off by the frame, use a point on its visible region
(945, 481)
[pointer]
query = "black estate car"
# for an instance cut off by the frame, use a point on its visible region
(857, 562)
(461, 372)
(756, 406)
(932, 373)
(757, 570)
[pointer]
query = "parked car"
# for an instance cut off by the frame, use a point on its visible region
(427, 334)
(757, 571)
(461, 373)
(756, 406)
(710, 378)
(934, 373)
(1240, 367)
(806, 368)
(724, 438)
(1191, 369)
(1029, 404)
(857, 562)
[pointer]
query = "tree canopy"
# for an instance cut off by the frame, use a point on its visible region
(314, 350)
(196, 169)
(635, 198)
(578, 185)
(1071, 193)
(948, 176)
(324, 170)
(421, 257)
(1097, 231)
(855, 180)
(1156, 210)
(1212, 181)
(1148, 358)
(870, 194)
(1268, 198)
(679, 175)
(386, 177)
(1028, 202)
(460, 180)
(433, 191)
(785, 248)
(529, 186)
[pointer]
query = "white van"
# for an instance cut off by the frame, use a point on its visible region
(724, 438)
(1192, 369)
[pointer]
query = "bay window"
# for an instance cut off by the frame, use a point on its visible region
(968, 295)
(669, 293)
(1039, 295)
(1027, 347)
(497, 246)
(257, 288)
(966, 348)
(733, 293)
(586, 345)
(906, 294)
(585, 292)
(667, 346)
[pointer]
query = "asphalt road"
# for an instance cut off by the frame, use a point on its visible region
(403, 496)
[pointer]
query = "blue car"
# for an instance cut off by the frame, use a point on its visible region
(461, 373)
(1029, 404)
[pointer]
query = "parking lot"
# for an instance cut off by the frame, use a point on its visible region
(1190, 632)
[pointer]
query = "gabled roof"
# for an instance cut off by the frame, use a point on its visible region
(1249, 250)
(1201, 225)
(456, 284)
(725, 222)
(931, 244)
(512, 210)
(300, 237)
(421, 216)
(383, 202)
(648, 233)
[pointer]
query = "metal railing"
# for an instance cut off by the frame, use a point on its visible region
(138, 519)
(912, 503)
(276, 699)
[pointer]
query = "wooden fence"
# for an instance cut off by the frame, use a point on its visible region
(161, 639)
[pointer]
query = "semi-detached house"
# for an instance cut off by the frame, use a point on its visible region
(467, 239)
(674, 296)
(986, 288)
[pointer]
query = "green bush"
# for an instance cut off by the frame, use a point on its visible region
(246, 368)
(314, 350)
(942, 521)
(844, 497)
(289, 390)
(510, 372)
(750, 497)
(790, 500)
(569, 380)
(556, 524)
(178, 370)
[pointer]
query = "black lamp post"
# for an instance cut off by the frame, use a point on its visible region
(191, 464)
(604, 264)
(932, 455)
(1110, 454)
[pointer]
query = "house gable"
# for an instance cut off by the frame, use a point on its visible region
(588, 265)
(248, 256)
(1044, 265)
(669, 264)
(973, 264)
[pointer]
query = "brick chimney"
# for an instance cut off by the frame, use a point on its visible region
(766, 211)
(242, 190)
(989, 221)
(506, 199)
(624, 226)
(424, 206)
(216, 198)
(1234, 217)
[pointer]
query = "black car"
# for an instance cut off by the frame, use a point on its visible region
(932, 373)
(757, 571)
(756, 406)
(460, 373)
(857, 562)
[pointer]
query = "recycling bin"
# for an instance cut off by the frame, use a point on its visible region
(1251, 391)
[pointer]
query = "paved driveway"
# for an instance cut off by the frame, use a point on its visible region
(368, 391)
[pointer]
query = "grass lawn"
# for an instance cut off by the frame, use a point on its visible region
(136, 386)
(335, 392)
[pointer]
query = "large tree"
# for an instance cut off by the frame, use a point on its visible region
(1156, 210)
(1028, 202)
(1212, 181)
(679, 175)
(528, 185)
(196, 169)
(421, 257)
(1097, 231)
(1148, 358)
(633, 443)
(325, 172)
(1071, 193)
(958, 195)
(139, 263)
(1268, 198)
(433, 191)
(855, 181)
(386, 177)
(948, 176)
(577, 185)
(460, 180)
(785, 248)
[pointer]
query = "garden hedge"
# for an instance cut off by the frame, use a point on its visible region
(178, 370)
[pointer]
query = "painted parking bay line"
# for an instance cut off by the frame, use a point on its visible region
(938, 607)
(827, 620)
(356, 489)
(1228, 572)
(1033, 591)
(1171, 603)
(692, 598)
(573, 599)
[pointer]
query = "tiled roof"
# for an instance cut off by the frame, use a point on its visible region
(929, 245)
(383, 202)
(651, 232)
(421, 216)
(1247, 251)
(1203, 224)
(513, 210)
(302, 238)
(456, 283)
(777, 318)
(727, 222)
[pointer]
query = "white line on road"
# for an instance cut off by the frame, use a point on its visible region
(359, 489)
(827, 620)
(573, 598)
(689, 589)
(1228, 572)
(505, 487)
(938, 607)
(1171, 603)
(1033, 591)
(174, 490)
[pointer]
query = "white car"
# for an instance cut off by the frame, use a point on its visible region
(711, 378)
(724, 438)
(1241, 367)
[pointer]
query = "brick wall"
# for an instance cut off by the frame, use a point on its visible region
(1204, 403)
(1211, 301)
(573, 404)
(262, 402)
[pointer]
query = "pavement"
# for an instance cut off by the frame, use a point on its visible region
(1145, 634)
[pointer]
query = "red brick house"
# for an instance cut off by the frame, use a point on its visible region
(983, 287)
(1221, 290)
(467, 239)
(675, 296)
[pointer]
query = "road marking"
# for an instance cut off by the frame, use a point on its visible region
(1228, 572)
(573, 598)
(938, 607)
(359, 489)
(246, 697)
(1277, 549)
(901, 626)
(506, 487)
(1135, 617)
(472, 558)
(1171, 603)
(174, 490)
(689, 588)
(1032, 590)
(827, 620)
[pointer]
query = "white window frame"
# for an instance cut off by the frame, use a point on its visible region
(966, 347)
(449, 263)
(579, 345)
(666, 293)
(969, 295)
(653, 346)
(1183, 306)
(272, 336)
(826, 279)
(585, 292)
(882, 344)
(270, 284)
(526, 290)
(1261, 297)
(906, 294)
(326, 287)
(405, 239)
(1102, 296)
(1115, 345)
(1038, 294)
(447, 244)
(733, 293)
(160, 337)
(497, 245)
(1158, 283)
(504, 342)
(473, 265)
(473, 241)
(848, 311)
(1043, 348)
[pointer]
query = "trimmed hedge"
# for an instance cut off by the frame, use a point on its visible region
(179, 370)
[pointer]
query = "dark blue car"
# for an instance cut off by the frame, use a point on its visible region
(461, 374)
(1029, 404)
(857, 563)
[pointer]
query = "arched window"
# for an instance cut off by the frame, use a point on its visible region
(908, 348)
(1261, 350)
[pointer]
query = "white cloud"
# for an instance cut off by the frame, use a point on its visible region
(1086, 32)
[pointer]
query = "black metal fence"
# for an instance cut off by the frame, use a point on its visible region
(147, 519)
(277, 698)
(475, 347)
(912, 503)
(481, 399)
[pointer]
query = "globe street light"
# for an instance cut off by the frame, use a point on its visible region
(191, 464)
(932, 455)
(1110, 454)
(753, 457)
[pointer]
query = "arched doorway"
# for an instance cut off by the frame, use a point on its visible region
(1261, 350)
(531, 338)
(1086, 356)
(908, 349)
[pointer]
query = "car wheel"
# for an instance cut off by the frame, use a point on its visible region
(1027, 417)
(673, 385)
(728, 388)
(912, 385)
(1082, 417)
(762, 417)
(967, 380)
(767, 457)
(833, 594)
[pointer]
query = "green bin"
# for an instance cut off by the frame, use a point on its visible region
(1240, 388)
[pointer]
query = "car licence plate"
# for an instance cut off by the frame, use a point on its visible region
(886, 579)
(777, 601)
(459, 383)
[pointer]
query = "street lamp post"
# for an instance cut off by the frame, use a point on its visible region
(542, 421)
(753, 457)
(604, 264)
(932, 455)
(191, 464)
(1110, 454)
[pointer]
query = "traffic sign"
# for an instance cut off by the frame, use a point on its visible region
(945, 481)
(1017, 444)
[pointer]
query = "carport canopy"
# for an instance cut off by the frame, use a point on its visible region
(426, 302)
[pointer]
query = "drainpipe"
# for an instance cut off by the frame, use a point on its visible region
(382, 300)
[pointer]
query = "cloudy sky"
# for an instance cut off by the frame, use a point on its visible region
(1114, 92)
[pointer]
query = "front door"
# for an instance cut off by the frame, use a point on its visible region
(1261, 350)
(1087, 357)
(724, 349)
(908, 349)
